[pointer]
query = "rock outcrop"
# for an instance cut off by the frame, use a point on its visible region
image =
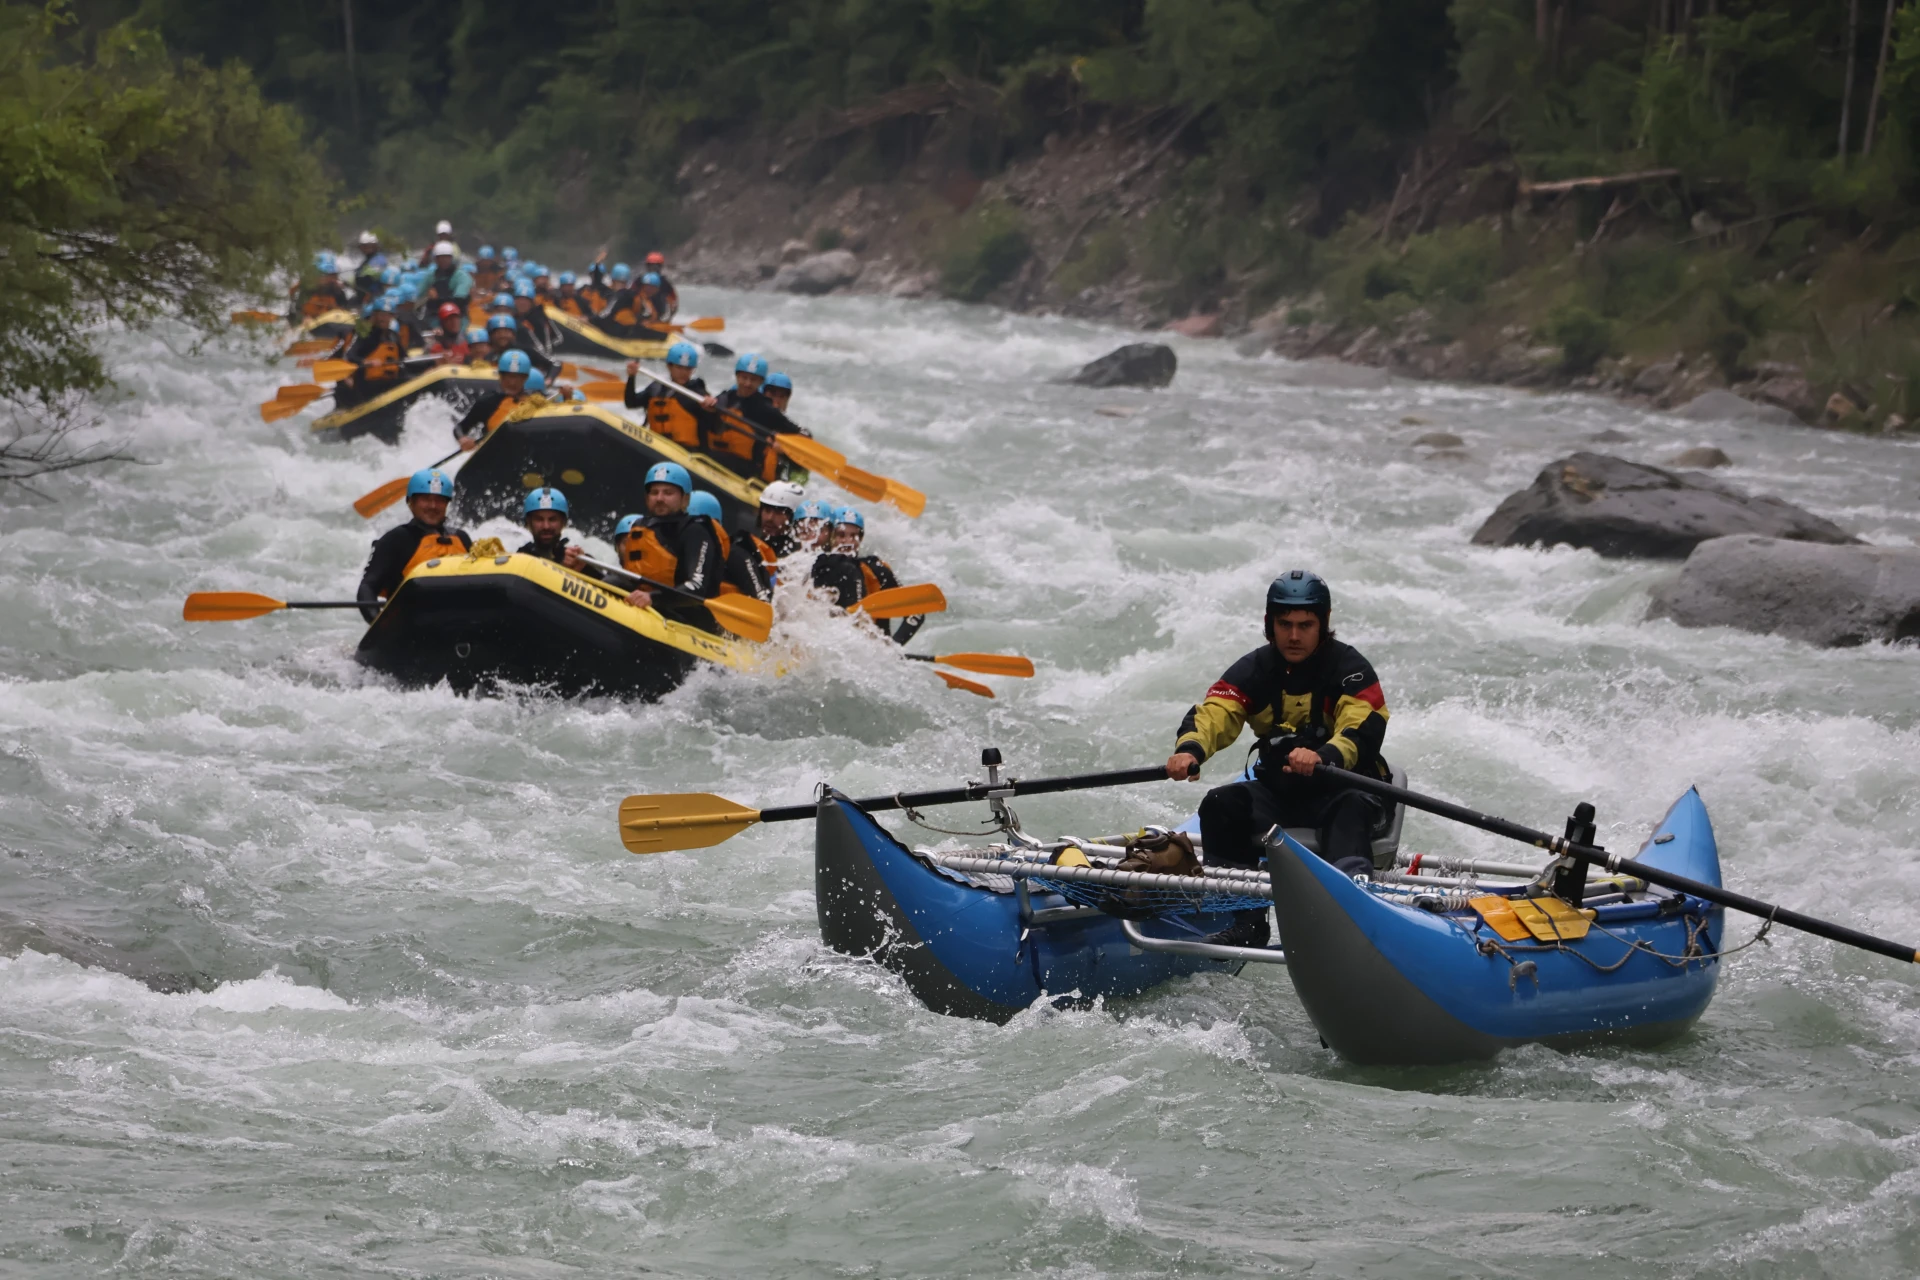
(1825, 595)
(821, 273)
(1139, 364)
(1724, 406)
(1621, 508)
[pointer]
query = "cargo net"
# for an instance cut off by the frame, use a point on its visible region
(1155, 875)
(1149, 903)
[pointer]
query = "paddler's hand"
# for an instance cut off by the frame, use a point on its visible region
(1181, 767)
(573, 557)
(708, 402)
(1302, 761)
(633, 369)
(468, 444)
(640, 598)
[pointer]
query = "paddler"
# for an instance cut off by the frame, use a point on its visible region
(778, 391)
(773, 537)
(494, 408)
(744, 572)
(567, 295)
(486, 271)
(480, 352)
(321, 294)
(503, 335)
(672, 546)
(449, 341)
(536, 331)
(632, 307)
(666, 297)
(680, 419)
(545, 514)
(812, 520)
(377, 353)
(740, 448)
(442, 234)
(1314, 702)
(404, 548)
(448, 281)
(850, 577)
(597, 291)
(366, 276)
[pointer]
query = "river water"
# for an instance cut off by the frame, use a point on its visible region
(307, 975)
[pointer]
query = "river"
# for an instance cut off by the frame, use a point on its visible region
(306, 975)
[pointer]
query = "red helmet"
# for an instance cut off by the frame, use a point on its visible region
(449, 309)
(656, 259)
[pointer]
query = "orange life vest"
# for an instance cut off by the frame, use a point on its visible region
(507, 405)
(645, 555)
(432, 547)
(726, 553)
(671, 418)
(318, 304)
(869, 580)
(382, 364)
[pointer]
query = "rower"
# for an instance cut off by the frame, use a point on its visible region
(404, 548)
(667, 298)
(608, 286)
(744, 572)
(677, 417)
(366, 276)
(537, 334)
(492, 409)
(377, 353)
(449, 341)
(632, 307)
(545, 514)
(812, 520)
(778, 391)
(322, 294)
(1313, 701)
(480, 352)
(448, 281)
(542, 286)
(773, 538)
(739, 449)
(486, 271)
(596, 292)
(567, 296)
(442, 234)
(853, 576)
(670, 546)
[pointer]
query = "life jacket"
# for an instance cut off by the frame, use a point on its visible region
(319, 302)
(768, 556)
(432, 547)
(726, 553)
(382, 362)
(869, 580)
(647, 556)
(503, 411)
(570, 303)
(669, 416)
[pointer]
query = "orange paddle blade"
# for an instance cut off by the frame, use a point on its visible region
(989, 664)
(372, 504)
(312, 347)
(333, 370)
(961, 682)
(256, 317)
(603, 390)
(810, 453)
(746, 617)
(861, 484)
(569, 373)
(305, 393)
(274, 410)
(707, 324)
(228, 606)
(905, 498)
(904, 602)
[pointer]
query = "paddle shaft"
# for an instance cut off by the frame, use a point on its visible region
(726, 416)
(1594, 855)
(980, 791)
(648, 583)
(323, 604)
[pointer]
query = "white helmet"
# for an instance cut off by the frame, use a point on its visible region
(367, 237)
(444, 229)
(447, 248)
(783, 494)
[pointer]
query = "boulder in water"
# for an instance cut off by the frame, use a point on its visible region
(821, 273)
(1824, 595)
(1139, 364)
(1705, 457)
(1621, 508)
(1724, 406)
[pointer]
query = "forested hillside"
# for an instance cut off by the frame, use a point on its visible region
(1374, 163)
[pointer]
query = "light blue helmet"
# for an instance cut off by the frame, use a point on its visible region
(514, 362)
(431, 482)
(476, 336)
(523, 288)
(779, 381)
(651, 279)
(548, 499)
(684, 353)
(625, 526)
(486, 253)
(567, 277)
(390, 277)
(670, 473)
(751, 363)
(703, 504)
(501, 301)
(387, 302)
(536, 381)
(510, 254)
(325, 263)
(622, 273)
(813, 509)
(502, 322)
(847, 515)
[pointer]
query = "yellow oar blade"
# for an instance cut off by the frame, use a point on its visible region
(302, 394)
(660, 824)
(904, 602)
(333, 370)
(707, 324)
(312, 347)
(228, 606)
(810, 453)
(864, 485)
(604, 390)
(961, 682)
(989, 664)
(372, 504)
(274, 410)
(256, 317)
(746, 617)
(905, 498)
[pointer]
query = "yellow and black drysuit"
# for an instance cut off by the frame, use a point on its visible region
(670, 414)
(398, 552)
(681, 551)
(1330, 704)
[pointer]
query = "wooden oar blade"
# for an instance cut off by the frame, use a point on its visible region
(961, 682)
(333, 370)
(989, 664)
(228, 606)
(602, 391)
(660, 824)
(905, 498)
(311, 347)
(810, 453)
(864, 485)
(708, 324)
(904, 602)
(746, 617)
(372, 504)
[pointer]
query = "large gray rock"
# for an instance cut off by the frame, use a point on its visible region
(821, 273)
(1139, 364)
(1821, 594)
(1622, 508)
(1724, 406)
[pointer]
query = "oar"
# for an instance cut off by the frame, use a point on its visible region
(312, 347)
(333, 370)
(904, 602)
(987, 664)
(705, 324)
(961, 682)
(291, 400)
(746, 617)
(374, 502)
(658, 824)
(1594, 855)
(233, 606)
(256, 317)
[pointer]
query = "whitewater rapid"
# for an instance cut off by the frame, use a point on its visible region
(304, 974)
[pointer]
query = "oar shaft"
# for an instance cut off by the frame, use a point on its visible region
(1594, 855)
(323, 604)
(635, 578)
(980, 791)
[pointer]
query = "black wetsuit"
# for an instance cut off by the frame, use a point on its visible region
(474, 425)
(746, 571)
(698, 567)
(852, 579)
(394, 550)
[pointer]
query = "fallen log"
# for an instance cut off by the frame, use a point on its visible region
(1598, 183)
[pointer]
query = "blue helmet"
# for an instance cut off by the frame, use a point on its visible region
(386, 302)
(325, 263)
(548, 499)
(1299, 589)
(703, 504)
(390, 277)
(779, 381)
(625, 526)
(751, 363)
(431, 482)
(622, 273)
(476, 337)
(514, 362)
(502, 322)
(510, 254)
(536, 381)
(501, 300)
(684, 353)
(847, 515)
(670, 473)
(813, 509)
(567, 277)
(651, 279)
(486, 253)
(523, 289)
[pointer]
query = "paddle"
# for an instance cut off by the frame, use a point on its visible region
(904, 602)
(234, 606)
(705, 324)
(1594, 855)
(373, 503)
(961, 682)
(291, 400)
(987, 664)
(312, 347)
(660, 824)
(746, 617)
(256, 317)
(333, 370)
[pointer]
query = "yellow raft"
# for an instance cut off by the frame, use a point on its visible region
(385, 414)
(329, 324)
(485, 620)
(584, 338)
(598, 458)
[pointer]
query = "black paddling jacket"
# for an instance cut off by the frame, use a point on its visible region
(852, 579)
(1332, 701)
(397, 552)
